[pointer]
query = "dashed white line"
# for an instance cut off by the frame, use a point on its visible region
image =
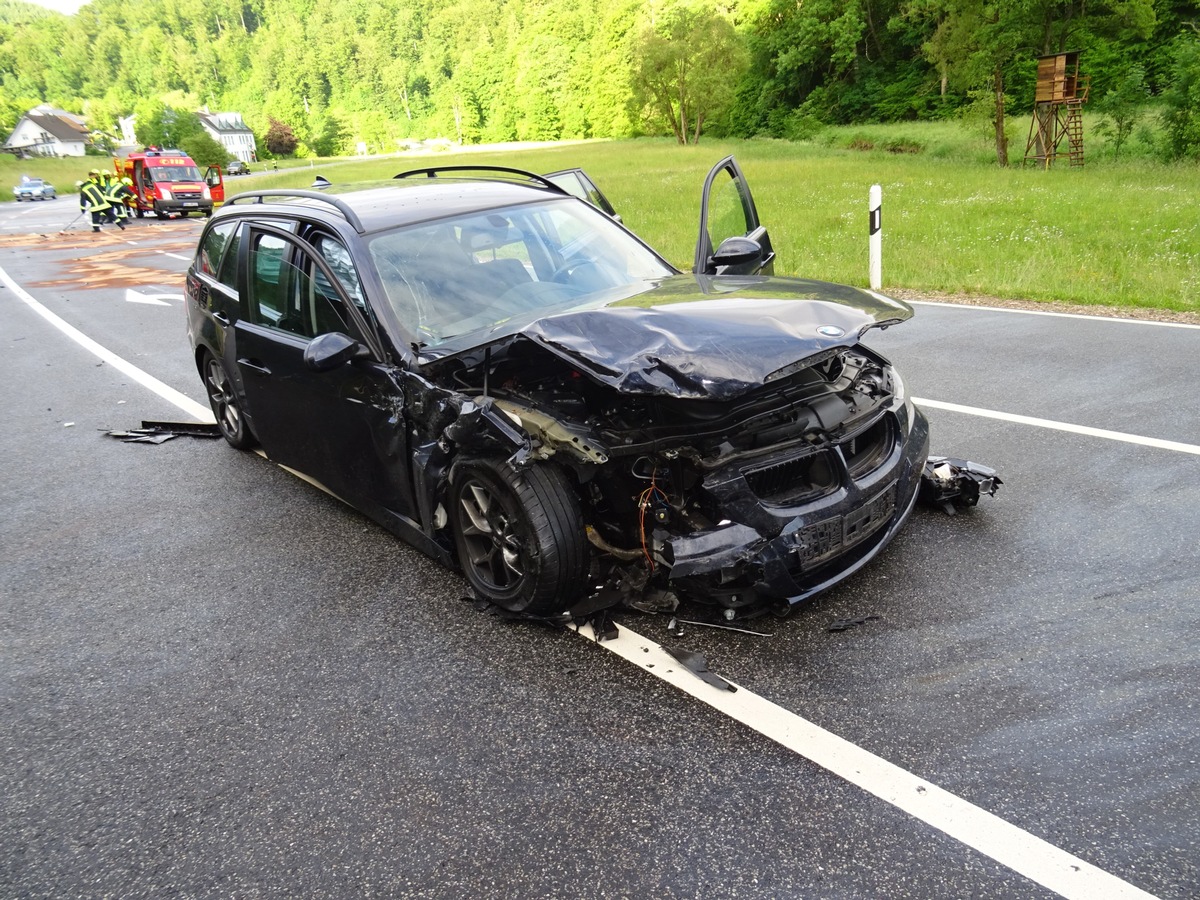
(1032, 857)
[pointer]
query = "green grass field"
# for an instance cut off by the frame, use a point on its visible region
(1121, 234)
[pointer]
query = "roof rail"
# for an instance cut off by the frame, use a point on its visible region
(340, 205)
(435, 171)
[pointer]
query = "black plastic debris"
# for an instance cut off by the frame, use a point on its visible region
(160, 432)
(845, 624)
(603, 627)
(698, 666)
(952, 484)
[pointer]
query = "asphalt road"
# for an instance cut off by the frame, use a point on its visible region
(218, 681)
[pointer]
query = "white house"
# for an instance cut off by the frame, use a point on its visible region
(228, 129)
(46, 131)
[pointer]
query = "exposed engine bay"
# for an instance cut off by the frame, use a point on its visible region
(737, 500)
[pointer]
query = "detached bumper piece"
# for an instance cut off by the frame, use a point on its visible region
(160, 432)
(952, 484)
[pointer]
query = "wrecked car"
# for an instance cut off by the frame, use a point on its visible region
(491, 366)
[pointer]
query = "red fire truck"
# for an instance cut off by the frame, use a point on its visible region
(168, 182)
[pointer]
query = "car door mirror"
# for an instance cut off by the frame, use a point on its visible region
(331, 351)
(736, 251)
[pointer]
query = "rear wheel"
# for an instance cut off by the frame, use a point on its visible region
(226, 407)
(519, 535)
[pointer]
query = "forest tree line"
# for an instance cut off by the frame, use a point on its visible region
(341, 72)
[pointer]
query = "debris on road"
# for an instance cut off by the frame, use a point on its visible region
(696, 664)
(952, 484)
(846, 624)
(160, 432)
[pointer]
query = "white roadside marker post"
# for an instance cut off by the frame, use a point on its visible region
(875, 205)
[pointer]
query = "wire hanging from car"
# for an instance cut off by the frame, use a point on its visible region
(644, 502)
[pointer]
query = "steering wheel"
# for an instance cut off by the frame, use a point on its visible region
(587, 271)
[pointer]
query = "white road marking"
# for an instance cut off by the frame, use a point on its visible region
(1157, 443)
(168, 393)
(132, 296)
(1047, 312)
(174, 255)
(1036, 859)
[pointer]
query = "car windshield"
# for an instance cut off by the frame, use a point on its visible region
(498, 270)
(175, 173)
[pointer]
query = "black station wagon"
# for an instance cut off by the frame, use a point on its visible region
(491, 366)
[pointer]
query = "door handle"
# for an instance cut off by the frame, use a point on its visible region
(221, 319)
(254, 366)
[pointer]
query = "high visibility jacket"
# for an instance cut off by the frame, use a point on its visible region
(91, 194)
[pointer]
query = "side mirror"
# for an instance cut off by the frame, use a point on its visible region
(736, 251)
(331, 351)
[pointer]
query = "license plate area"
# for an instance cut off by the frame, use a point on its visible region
(824, 540)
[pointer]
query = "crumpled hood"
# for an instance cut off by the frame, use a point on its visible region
(705, 337)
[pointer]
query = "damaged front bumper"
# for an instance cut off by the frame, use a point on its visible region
(780, 554)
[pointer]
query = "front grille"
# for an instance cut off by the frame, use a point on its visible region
(867, 450)
(792, 480)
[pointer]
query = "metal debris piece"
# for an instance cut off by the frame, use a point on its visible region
(724, 627)
(159, 432)
(844, 624)
(952, 484)
(696, 664)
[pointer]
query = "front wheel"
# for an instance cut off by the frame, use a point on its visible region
(519, 535)
(226, 407)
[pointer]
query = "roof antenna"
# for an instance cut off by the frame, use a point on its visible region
(321, 182)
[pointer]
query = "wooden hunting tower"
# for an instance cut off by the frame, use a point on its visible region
(1057, 111)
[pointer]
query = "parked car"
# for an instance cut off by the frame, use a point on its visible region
(503, 375)
(34, 189)
(237, 167)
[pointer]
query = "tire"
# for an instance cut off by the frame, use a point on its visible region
(519, 535)
(184, 214)
(226, 407)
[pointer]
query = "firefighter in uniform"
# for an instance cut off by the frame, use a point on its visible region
(106, 185)
(116, 191)
(92, 196)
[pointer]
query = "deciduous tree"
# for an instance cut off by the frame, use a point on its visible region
(685, 68)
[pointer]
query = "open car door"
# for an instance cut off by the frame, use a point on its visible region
(577, 183)
(216, 185)
(732, 241)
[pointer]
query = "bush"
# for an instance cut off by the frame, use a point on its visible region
(1181, 120)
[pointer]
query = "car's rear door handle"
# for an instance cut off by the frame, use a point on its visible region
(221, 319)
(254, 366)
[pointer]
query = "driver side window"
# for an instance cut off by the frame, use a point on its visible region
(289, 292)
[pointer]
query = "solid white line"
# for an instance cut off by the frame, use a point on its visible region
(1004, 842)
(168, 393)
(1058, 315)
(1022, 852)
(1138, 439)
